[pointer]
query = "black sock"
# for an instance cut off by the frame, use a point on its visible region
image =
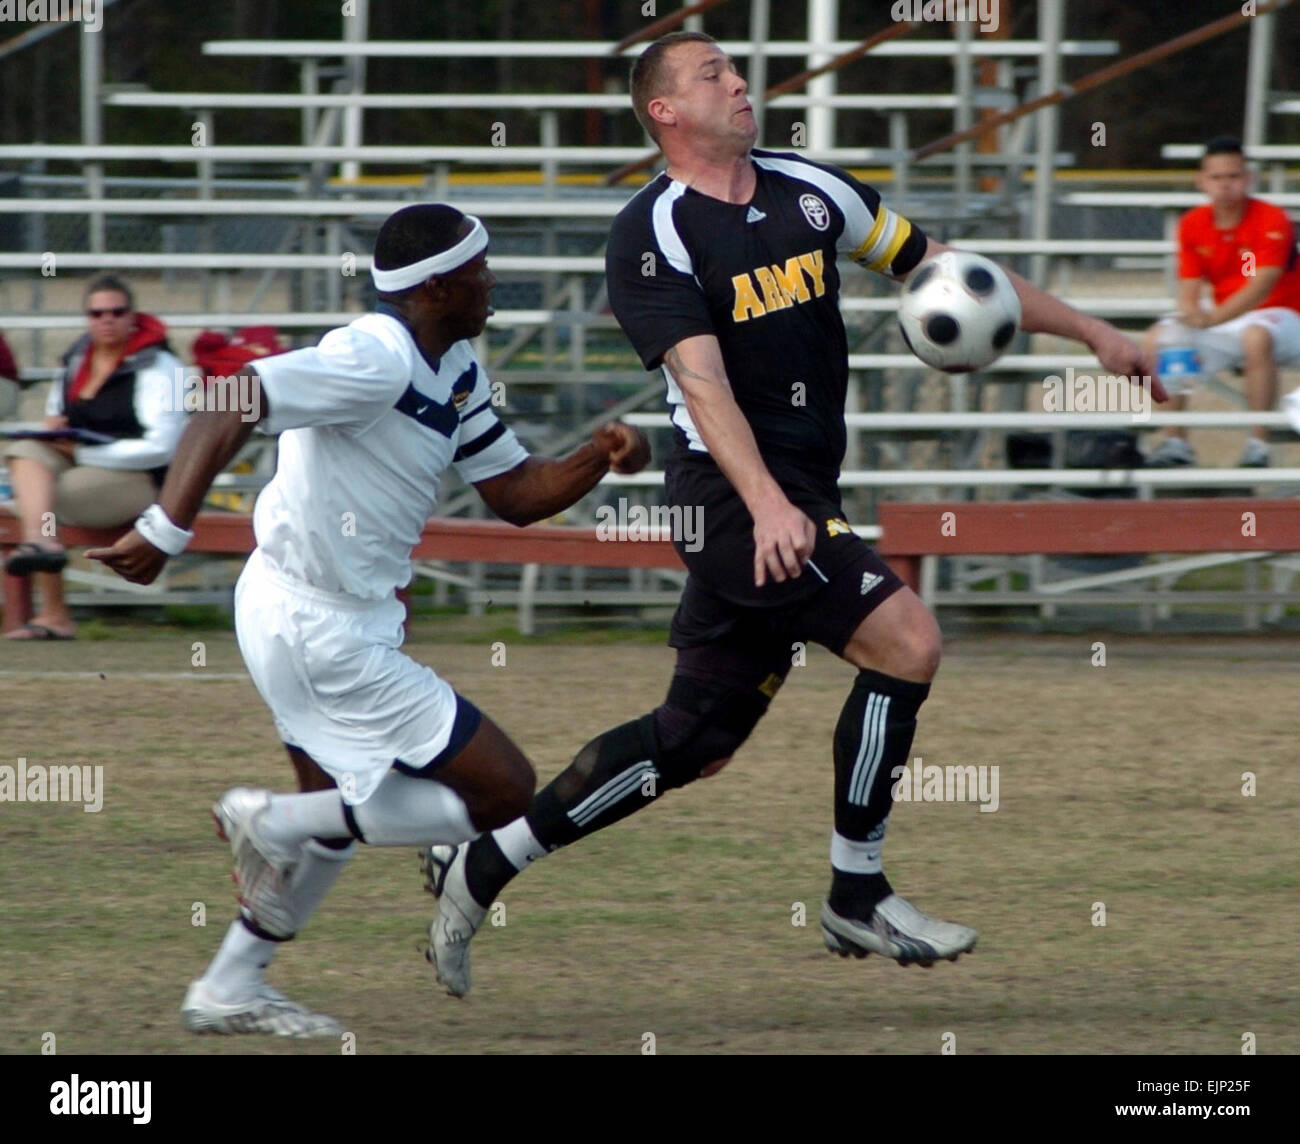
(872, 738)
(612, 777)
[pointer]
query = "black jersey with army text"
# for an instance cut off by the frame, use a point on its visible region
(762, 277)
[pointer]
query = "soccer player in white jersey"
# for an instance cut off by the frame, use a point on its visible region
(385, 751)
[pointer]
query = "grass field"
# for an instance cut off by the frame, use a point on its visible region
(1119, 784)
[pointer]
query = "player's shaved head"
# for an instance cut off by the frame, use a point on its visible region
(654, 75)
(417, 232)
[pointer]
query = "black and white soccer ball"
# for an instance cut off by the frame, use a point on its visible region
(959, 311)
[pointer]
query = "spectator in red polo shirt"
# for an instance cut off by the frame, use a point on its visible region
(1245, 249)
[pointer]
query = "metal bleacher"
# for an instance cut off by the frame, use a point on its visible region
(279, 233)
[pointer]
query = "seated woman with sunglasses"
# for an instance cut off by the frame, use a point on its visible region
(118, 380)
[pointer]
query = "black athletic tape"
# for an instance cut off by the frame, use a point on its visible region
(258, 932)
(734, 709)
(351, 820)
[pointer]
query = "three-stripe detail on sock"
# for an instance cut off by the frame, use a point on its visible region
(611, 792)
(871, 750)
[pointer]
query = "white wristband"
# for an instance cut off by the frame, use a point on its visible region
(156, 527)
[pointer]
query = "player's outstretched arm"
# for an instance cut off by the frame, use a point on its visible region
(1043, 314)
(542, 486)
(209, 443)
(783, 535)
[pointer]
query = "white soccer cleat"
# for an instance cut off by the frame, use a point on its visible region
(898, 930)
(266, 1011)
(262, 867)
(457, 919)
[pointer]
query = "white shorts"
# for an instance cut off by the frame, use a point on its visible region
(329, 668)
(1220, 345)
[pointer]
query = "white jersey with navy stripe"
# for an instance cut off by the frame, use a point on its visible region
(368, 428)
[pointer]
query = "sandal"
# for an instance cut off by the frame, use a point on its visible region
(29, 558)
(37, 632)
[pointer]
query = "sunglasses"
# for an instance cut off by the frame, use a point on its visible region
(115, 311)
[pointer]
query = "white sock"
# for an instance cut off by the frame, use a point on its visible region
(292, 819)
(237, 969)
(853, 857)
(518, 843)
(315, 873)
(406, 811)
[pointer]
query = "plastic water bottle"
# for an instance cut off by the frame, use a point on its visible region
(1178, 359)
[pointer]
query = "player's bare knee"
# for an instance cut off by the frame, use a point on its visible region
(924, 651)
(904, 642)
(1257, 343)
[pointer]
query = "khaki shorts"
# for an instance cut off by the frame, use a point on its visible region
(1221, 347)
(87, 496)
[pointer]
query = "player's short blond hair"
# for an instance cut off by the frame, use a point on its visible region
(652, 76)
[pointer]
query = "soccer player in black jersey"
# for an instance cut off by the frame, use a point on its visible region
(722, 272)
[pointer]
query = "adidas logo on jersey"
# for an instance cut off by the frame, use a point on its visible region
(755, 215)
(869, 581)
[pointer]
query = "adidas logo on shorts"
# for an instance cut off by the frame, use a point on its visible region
(869, 581)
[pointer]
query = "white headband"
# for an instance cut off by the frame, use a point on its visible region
(404, 277)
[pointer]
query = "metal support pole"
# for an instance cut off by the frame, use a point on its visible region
(550, 245)
(964, 112)
(902, 165)
(823, 20)
(550, 139)
(208, 132)
(205, 172)
(759, 21)
(1259, 71)
(1051, 22)
(92, 73)
(356, 27)
(310, 86)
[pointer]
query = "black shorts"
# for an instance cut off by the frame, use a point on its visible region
(828, 615)
(720, 551)
(842, 583)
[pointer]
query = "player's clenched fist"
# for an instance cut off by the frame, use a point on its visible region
(132, 557)
(627, 448)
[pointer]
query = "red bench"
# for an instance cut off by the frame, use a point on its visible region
(1107, 527)
(231, 534)
(910, 532)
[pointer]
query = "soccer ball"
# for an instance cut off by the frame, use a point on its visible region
(959, 311)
